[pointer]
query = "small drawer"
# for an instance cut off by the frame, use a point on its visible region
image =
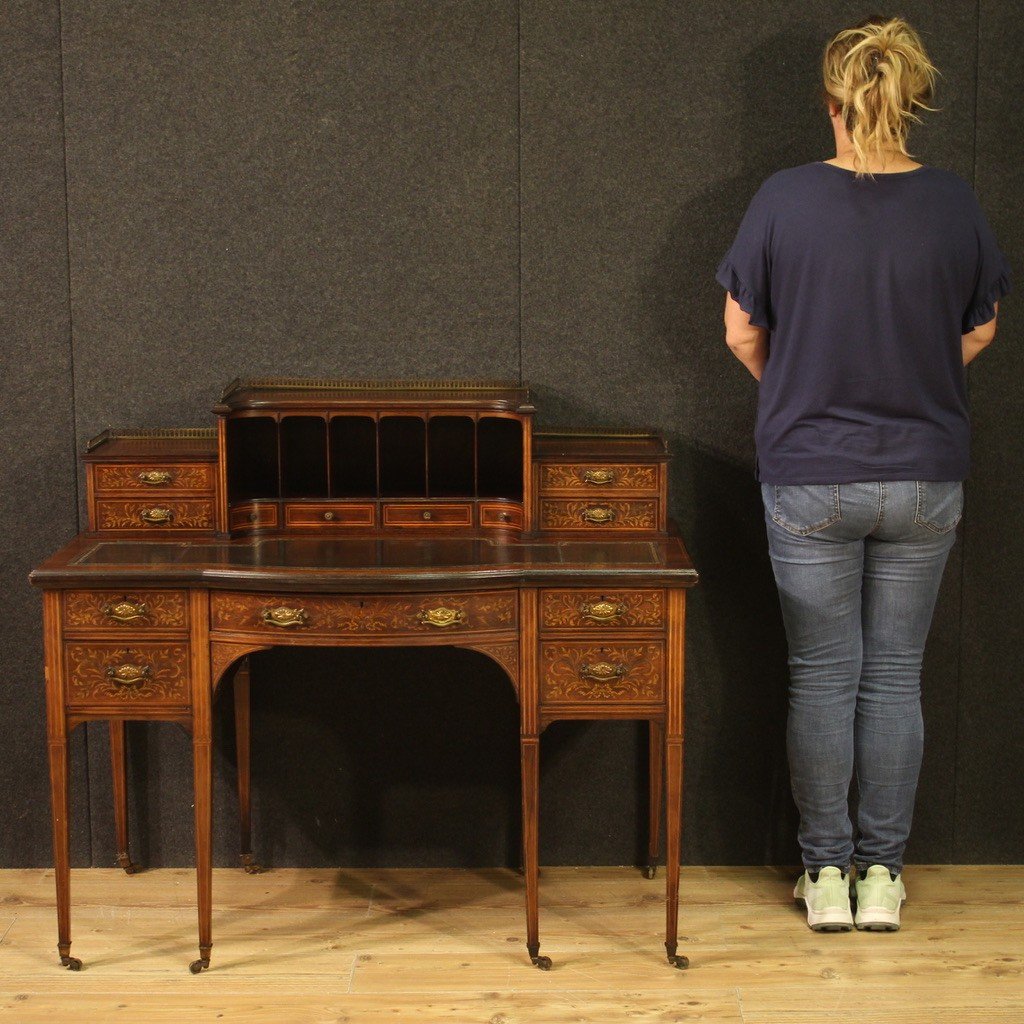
(580, 672)
(502, 515)
(608, 609)
(157, 514)
(155, 477)
(599, 514)
(427, 514)
(603, 476)
(328, 515)
(119, 675)
(253, 516)
(382, 615)
(127, 610)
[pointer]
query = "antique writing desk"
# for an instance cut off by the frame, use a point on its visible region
(341, 513)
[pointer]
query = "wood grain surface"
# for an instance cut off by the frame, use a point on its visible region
(442, 945)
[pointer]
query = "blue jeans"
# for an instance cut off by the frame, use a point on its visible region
(858, 567)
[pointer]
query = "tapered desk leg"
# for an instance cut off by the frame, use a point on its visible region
(119, 773)
(202, 765)
(59, 779)
(529, 747)
(243, 732)
(202, 771)
(673, 829)
(656, 761)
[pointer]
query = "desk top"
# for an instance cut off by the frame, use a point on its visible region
(354, 564)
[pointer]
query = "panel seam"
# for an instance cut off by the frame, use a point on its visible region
(519, 184)
(964, 548)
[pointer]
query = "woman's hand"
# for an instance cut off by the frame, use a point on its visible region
(980, 337)
(749, 343)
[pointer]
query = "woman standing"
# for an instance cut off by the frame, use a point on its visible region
(859, 289)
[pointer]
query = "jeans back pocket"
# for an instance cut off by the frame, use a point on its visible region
(940, 504)
(803, 508)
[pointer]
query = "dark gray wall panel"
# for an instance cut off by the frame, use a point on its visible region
(297, 189)
(37, 495)
(990, 741)
(646, 129)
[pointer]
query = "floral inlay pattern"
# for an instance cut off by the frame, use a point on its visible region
(599, 514)
(610, 608)
(185, 477)
(575, 477)
(602, 672)
(126, 609)
(154, 673)
(381, 614)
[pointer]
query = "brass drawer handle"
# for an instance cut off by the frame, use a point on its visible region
(427, 514)
(602, 671)
(285, 617)
(598, 514)
(602, 611)
(599, 476)
(156, 515)
(154, 477)
(128, 674)
(125, 610)
(442, 616)
(328, 516)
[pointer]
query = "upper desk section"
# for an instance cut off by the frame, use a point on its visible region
(343, 457)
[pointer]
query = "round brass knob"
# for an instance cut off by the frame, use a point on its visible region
(253, 517)
(428, 514)
(504, 517)
(328, 516)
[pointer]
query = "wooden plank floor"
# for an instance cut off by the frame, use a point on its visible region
(349, 947)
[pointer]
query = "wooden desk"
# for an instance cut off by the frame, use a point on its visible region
(148, 611)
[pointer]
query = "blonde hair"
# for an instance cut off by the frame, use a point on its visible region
(879, 75)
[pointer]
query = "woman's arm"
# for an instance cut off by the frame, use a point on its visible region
(981, 336)
(749, 344)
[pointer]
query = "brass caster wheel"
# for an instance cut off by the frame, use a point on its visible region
(680, 962)
(650, 870)
(198, 965)
(249, 865)
(127, 865)
(543, 962)
(72, 963)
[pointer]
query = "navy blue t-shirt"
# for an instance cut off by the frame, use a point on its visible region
(866, 287)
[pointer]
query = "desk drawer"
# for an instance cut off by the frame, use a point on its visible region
(342, 615)
(427, 514)
(330, 515)
(600, 477)
(605, 609)
(156, 514)
(253, 515)
(501, 514)
(115, 674)
(152, 478)
(125, 610)
(599, 514)
(619, 672)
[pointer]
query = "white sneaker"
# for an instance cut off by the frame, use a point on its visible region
(879, 898)
(827, 900)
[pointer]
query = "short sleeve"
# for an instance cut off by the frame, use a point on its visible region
(991, 280)
(744, 270)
